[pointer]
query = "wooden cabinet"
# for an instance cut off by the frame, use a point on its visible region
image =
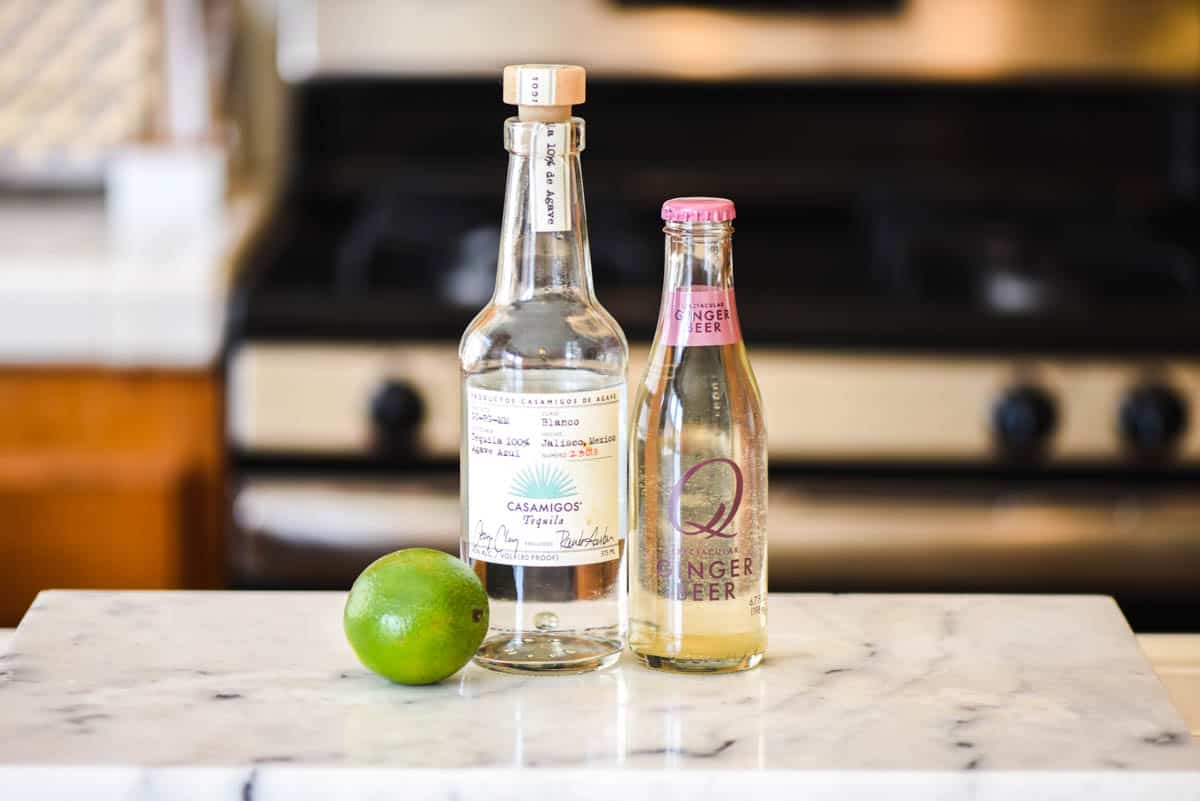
(108, 479)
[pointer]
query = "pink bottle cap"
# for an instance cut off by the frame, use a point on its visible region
(698, 209)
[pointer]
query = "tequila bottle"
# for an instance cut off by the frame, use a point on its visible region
(544, 477)
(698, 556)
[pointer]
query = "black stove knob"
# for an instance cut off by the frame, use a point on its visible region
(1023, 419)
(396, 410)
(1152, 418)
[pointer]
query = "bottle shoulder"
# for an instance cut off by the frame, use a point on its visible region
(707, 382)
(554, 329)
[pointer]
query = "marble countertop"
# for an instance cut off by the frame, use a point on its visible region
(256, 695)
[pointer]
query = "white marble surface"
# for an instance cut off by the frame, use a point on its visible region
(256, 695)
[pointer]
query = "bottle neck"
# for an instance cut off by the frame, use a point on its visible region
(544, 242)
(698, 255)
(698, 307)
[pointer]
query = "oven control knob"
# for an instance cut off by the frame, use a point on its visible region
(1152, 418)
(1023, 419)
(396, 409)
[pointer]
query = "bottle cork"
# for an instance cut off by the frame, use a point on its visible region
(544, 92)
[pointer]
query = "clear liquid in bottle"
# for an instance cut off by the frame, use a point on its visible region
(544, 476)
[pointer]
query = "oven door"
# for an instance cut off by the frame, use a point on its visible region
(1140, 544)
(320, 532)
(860, 535)
(948, 534)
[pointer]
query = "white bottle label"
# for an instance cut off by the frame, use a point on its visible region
(548, 186)
(536, 86)
(544, 477)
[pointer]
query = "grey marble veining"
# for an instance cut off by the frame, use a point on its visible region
(257, 695)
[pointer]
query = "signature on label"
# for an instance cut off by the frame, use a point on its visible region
(585, 539)
(495, 543)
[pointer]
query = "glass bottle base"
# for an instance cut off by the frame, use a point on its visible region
(672, 664)
(547, 653)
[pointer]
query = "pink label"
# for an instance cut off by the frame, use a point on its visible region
(702, 315)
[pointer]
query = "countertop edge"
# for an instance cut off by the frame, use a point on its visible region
(279, 781)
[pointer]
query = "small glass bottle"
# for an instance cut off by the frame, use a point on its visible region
(544, 476)
(698, 556)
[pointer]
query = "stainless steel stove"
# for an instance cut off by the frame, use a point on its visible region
(973, 308)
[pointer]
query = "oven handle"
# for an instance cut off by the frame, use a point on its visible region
(1083, 539)
(350, 514)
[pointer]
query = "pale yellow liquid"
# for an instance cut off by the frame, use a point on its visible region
(710, 641)
(707, 406)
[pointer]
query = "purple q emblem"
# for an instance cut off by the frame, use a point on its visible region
(721, 519)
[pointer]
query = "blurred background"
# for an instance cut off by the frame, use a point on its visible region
(239, 240)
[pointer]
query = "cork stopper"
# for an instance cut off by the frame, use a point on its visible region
(544, 92)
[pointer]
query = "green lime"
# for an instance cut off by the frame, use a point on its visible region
(416, 616)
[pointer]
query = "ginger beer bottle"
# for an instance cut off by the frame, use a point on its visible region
(544, 479)
(698, 555)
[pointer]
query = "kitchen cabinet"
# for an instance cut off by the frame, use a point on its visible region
(108, 479)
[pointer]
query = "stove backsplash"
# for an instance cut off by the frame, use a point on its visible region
(1013, 214)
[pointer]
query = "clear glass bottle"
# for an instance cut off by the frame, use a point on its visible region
(544, 476)
(698, 551)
